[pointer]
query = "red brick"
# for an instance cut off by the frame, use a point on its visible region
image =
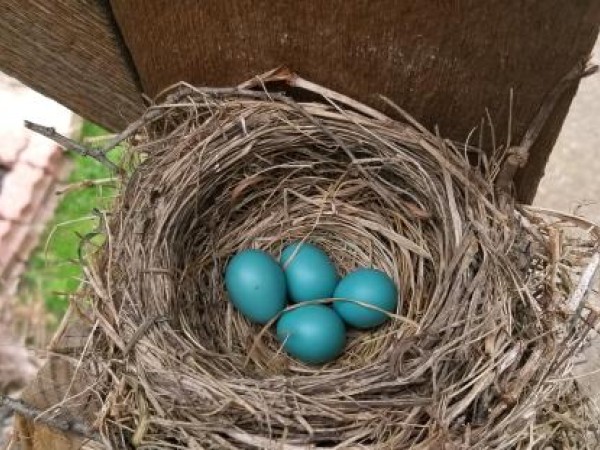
(24, 236)
(18, 188)
(4, 230)
(11, 246)
(42, 153)
(10, 279)
(12, 143)
(43, 189)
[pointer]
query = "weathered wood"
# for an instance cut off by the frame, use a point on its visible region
(444, 61)
(60, 383)
(70, 51)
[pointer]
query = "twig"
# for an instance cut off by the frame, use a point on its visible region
(143, 328)
(591, 227)
(71, 145)
(518, 156)
(145, 119)
(36, 415)
(266, 95)
(269, 444)
(154, 112)
(292, 79)
(581, 70)
(576, 301)
(85, 184)
(300, 82)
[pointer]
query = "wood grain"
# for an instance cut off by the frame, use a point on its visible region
(443, 61)
(70, 51)
(59, 382)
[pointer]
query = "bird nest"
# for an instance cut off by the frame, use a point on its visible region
(477, 355)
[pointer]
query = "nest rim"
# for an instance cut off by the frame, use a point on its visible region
(247, 379)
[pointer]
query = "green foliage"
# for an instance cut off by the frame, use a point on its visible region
(53, 270)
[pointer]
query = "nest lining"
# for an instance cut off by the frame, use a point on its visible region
(466, 359)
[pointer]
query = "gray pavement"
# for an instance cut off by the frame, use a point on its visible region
(572, 176)
(572, 183)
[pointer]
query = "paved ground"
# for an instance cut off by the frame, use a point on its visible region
(573, 179)
(573, 173)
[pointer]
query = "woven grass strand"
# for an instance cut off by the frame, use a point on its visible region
(463, 363)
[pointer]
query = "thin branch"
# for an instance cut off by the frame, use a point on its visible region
(154, 112)
(292, 79)
(145, 119)
(245, 89)
(36, 415)
(86, 184)
(518, 156)
(71, 145)
(139, 333)
(581, 70)
(577, 299)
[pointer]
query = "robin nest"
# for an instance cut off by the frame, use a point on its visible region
(477, 355)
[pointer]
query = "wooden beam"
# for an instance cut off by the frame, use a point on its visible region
(449, 63)
(70, 51)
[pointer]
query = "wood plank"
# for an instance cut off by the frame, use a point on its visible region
(444, 61)
(70, 51)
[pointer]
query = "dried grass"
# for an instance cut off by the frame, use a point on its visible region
(471, 358)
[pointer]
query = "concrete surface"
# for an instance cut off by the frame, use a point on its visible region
(572, 183)
(572, 179)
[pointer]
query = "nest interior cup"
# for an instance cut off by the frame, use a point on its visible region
(215, 172)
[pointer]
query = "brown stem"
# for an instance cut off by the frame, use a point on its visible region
(37, 415)
(71, 145)
(517, 156)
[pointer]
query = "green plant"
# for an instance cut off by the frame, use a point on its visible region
(53, 270)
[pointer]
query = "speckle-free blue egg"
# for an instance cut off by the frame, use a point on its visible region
(314, 334)
(309, 273)
(369, 286)
(256, 285)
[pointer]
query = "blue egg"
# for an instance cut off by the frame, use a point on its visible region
(310, 274)
(369, 286)
(256, 285)
(314, 334)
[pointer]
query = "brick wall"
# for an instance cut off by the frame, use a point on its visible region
(31, 167)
